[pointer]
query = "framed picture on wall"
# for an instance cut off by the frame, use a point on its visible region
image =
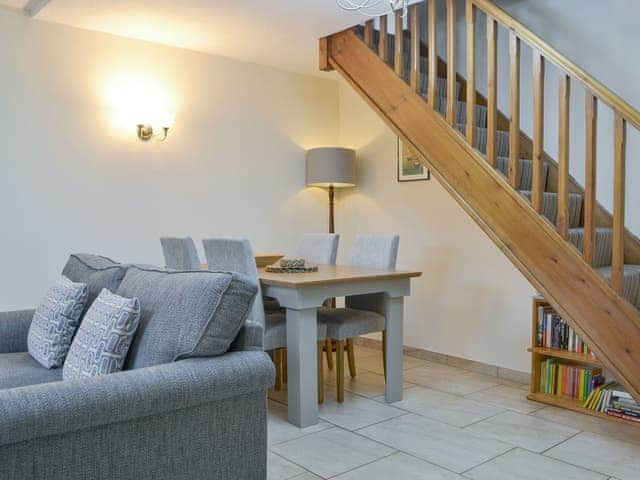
(409, 168)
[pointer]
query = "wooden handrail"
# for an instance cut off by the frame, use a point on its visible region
(605, 95)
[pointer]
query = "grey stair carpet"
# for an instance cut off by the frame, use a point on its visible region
(603, 245)
(550, 206)
(526, 172)
(502, 140)
(631, 282)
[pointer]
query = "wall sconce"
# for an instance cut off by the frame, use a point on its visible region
(145, 131)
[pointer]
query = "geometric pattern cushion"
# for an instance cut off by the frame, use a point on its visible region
(100, 347)
(55, 322)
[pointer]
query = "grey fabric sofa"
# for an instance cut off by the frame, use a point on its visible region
(198, 418)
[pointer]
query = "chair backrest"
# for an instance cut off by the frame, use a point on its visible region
(234, 254)
(375, 251)
(180, 253)
(320, 248)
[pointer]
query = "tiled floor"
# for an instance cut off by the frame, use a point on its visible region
(452, 424)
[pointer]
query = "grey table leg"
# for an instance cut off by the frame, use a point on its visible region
(393, 309)
(302, 361)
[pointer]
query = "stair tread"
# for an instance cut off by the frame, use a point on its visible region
(631, 282)
(550, 206)
(602, 254)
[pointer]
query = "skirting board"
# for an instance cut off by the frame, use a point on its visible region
(471, 365)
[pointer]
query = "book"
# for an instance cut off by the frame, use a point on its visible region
(553, 332)
(572, 381)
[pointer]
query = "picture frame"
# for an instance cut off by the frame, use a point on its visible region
(409, 169)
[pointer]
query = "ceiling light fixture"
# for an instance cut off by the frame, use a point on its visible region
(373, 8)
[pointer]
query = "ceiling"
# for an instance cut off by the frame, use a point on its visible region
(282, 33)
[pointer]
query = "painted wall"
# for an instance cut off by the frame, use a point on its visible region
(470, 302)
(75, 177)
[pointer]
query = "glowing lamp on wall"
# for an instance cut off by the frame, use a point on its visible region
(164, 122)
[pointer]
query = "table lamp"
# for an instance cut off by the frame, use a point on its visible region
(331, 167)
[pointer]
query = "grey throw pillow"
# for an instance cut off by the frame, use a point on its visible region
(55, 322)
(96, 271)
(185, 314)
(100, 347)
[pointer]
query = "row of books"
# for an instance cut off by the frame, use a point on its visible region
(569, 380)
(554, 332)
(613, 400)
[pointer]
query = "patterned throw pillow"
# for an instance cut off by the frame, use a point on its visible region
(104, 337)
(55, 322)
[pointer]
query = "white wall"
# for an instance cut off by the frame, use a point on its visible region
(75, 178)
(470, 302)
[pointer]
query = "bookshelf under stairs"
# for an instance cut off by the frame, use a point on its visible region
(577, 368)
(578, 255)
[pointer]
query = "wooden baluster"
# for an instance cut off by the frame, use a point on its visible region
(452, 99)
(537, 186)
(414, 75)
(399, 44)
(562, 221)
(368, 33)
(492, 89)
(383, 42)
(471, 71)
(432, 71)
(591, 111)
(617, 264)
(514, 126)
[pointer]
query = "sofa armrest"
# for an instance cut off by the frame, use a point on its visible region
(14, 328)
(37, 411)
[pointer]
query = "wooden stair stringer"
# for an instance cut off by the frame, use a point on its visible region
(606, 320)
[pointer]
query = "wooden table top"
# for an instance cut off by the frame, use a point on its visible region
(331, 274)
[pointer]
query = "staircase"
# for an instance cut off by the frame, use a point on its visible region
(577, 254)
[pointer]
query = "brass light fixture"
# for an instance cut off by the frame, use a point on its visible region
(145, 133)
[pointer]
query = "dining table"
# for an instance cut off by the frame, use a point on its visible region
(302, 294)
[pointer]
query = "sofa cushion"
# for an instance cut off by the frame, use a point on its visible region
(100, 347)
(55, 322)
(96, 271)
(185, 314)
(20, 369)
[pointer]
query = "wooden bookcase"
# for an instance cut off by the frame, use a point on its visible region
(540, 354)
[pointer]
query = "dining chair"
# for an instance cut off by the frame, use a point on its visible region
(362, 314)
(180, 253)
(236, 255)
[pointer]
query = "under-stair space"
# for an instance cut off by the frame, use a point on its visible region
(578, 255)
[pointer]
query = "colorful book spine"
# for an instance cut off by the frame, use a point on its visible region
(553, 332)
(571, 381)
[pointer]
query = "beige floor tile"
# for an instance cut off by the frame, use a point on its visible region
(363, 352)
(280, 469)
(507, 397)
(523, 431)
(356, 411)
(374, 363)
(443, 445)
(401, 467)
(368, 384)
(331, 452)
(445, 407)
(280, 430)
(449, 379)
(520, 464)
(588, 423)
(601, 454)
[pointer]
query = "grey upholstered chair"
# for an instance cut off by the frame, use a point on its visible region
(362, 313)
(236, 255)
(180, 253)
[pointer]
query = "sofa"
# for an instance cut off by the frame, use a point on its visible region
(195, 418)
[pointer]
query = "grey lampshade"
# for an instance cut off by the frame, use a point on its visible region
(331, 166)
